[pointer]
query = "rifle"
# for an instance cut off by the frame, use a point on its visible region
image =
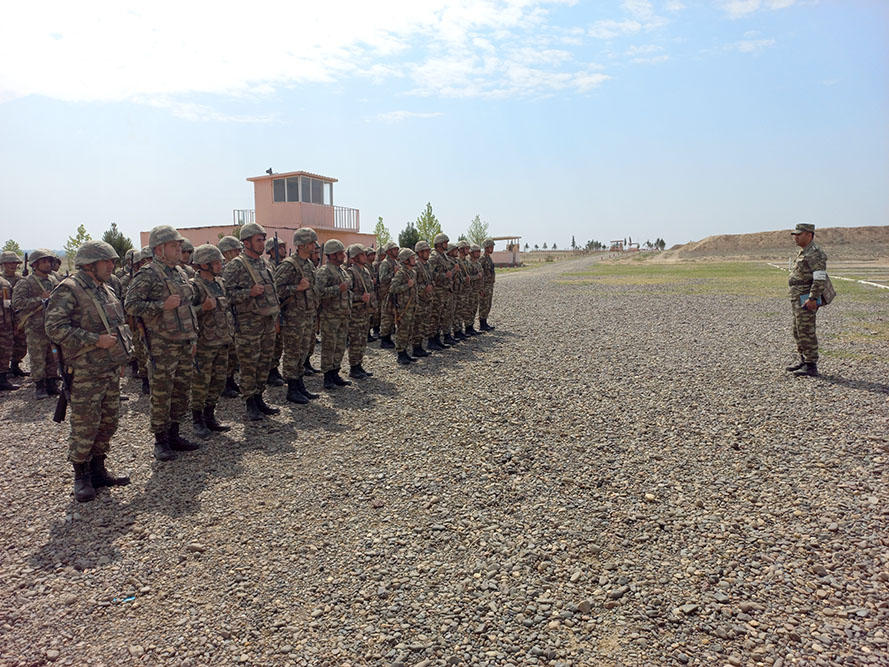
(275, 247)
(140, 327)
(25, 267)
(65, 394)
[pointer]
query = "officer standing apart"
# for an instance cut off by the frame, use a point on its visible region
(488, 278)
(808, 276)
(332, 287)
(86, 319)
(160, 297)
(251, 288)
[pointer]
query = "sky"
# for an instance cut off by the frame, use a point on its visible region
(550, 119)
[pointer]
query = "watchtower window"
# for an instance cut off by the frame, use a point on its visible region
(280, 191)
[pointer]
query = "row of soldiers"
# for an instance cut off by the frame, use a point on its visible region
(232, 307)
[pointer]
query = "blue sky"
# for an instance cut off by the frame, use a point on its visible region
(549, 119)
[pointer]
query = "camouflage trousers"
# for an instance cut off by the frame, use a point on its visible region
(375, 313)
(334, 328)
(40, 352)
(454, 320)
(422, 321)
(438, 316)
(255, 358)
(279, 350)
(211, 369)
(469, 306)
(405, 332)
(140, 352)
(359, 325)
(387, 315)
(19, 344)
(7, 340)
(804, 331)
(94, 412)
(299, 341)
(233, 365)
(170, 382)
(484, 302)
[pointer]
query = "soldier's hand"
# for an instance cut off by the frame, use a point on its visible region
(44, 294)
(257, 289)
(209, 303)
(365, 297)
(172, 302)
(344, 286)
(106, 340)
(302, 285)
(410, 282)
(811, 304)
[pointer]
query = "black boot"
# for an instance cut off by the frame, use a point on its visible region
(370, 337)
(294, 395)
(449, 340)
(16, 370)
(328, 380)
(134, 368)
(459, 335)
(305, 392)
(403, 358)
(419, 351)
(5, 384)
(810, 368)
(210, 420)
(83, 483)
(177, 442)
(231, 388)
(484, 326)
(366, 372)
(146, 388)
(470, 331)
(162, 451)
(40, 390)
(307, 367)
(796, 366)
(337, 380)
(198, 426)
(100, 475)
(52, 386)
(253, 413)
(356, 372)
(264, 407)
(435, 344)
(386, 342)
(375, 332)
(275, 379)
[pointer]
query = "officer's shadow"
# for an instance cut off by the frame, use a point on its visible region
(864, 385)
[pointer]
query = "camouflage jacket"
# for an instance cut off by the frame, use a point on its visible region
(7, 321)
(73, 321)
(116, 285)
(215, 327)
(255, 314)
(808, 271)
(402, 295)
(295, 305)
(475, 273)
(145, 298)
(189, 270)
(424, 278)
(362, 283)
(332, 300)
(488, 274)
(386, 272)
(439, 264)
(28, 300)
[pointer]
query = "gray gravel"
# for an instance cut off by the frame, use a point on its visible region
(616, 475)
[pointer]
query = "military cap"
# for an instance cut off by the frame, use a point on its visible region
(250, 229)
(440, 238)
(355, 249)
(463, 243)
(187, 245)
(163, 234)
(206, 254)
(304, 236)
(405, 254)
(474, 248)
(40, 253)
(803, 227)
(421, 245)
(94, 251)
(9, 257)
(389, 246)
(488, 242)
(333, 246)
(227, 243)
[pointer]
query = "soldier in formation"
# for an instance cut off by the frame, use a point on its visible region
(19, 346)
(385, 272)
(230, 247)
(362, 289)
(275, 257)
(332, 286)
(402, 304)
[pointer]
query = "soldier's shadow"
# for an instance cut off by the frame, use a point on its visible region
(864, 385)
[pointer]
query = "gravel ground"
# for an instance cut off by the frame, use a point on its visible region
(614, 476)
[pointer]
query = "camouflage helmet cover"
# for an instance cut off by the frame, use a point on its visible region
(389, 245)
(371, 251)
(463, 243)
(9, 257)
(227, 243)
(250, 229)
(128, 255)
(163, 234)
(206, 254)
(474, 248)
(333, 246)
(405, 254)
(187, 245)
(40, 253)
(94, 251)
(421, 245)
(488, 242)
(440, 238)
(304, 236)
(355, 249)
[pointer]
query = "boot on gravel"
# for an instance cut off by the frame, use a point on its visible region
(356, 372)
(177, 442)
(275, 379)
(199, 428)
(302, 387)
(17, 371)
(100, 475)
(419, 351)
(386, 342)
(231, 388)
(403, 358)
(337, 380)
(52, 386)
(264, 407)
(253, 413)
(366, 372)
(5, 384)
(162, 451)
(308, 369)
(328, 380)
(40, 390)
(83, 483)
(449, 340)
(470, 331)
(484, 326)
(210, 420)
(435, 344)
(810, 368)
(294, 395)
(795, 367)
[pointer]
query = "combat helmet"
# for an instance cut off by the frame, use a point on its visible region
(94, 251)
(355, 249)
(389, 245)
(462, 243)
(440, 238)
(206, 254)
(163, 234)
(250, 229)
(40, 253)
(474, 248)
(227, 243)
(187, 245)
(488, 242)
(332, 246)
(304, 236)
(9, 257)
(405, 254)
(421, 245)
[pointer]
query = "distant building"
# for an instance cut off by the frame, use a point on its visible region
(283, 203)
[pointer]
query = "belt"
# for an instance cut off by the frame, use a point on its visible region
(799, 283)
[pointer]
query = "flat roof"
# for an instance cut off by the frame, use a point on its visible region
(289, 174)
(505, 238)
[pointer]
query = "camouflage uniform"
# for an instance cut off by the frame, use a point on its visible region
(487, 295)
(359, 319)
(7, 328)
(19, 338)
(475, 287)
(403, 302)
(423, 321)
(335, 312)
(27, 301)
(439, 264)
(299, 309)
(139, 350)
(387, 270)
(454, 316)
(373, 268)
(808, 274)
(215, 338)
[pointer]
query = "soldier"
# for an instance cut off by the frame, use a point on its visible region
(250, 286)
(808, 276)
(388, 267)
(274, 260)
(215, 337)
(475, 286)
(456, 295)
(140, 352)
(465, 319)
(295, 283)
(373, 267)
(159, 300)
(7, 329)
(487, 293)
(28, 298)
(307, 367)
(362, 303)
(425, 299)
(87, 321)
(442, 279)
(403, 302)
(187, 252)
(332, 288)
(10, 261)
(230, 247)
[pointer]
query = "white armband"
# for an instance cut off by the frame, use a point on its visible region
(819, 275)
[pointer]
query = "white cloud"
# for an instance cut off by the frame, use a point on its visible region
(399, 116)
(740, 8)
(674, 6)
(750, 45)
(647, 54)
(609, 29)
(641, 9)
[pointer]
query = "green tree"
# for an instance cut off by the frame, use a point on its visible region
(536, 247)
(409, 236)
(478, 231)
(573, 244)
(117, 240)
(554, 247)
(73, 243)
(428, 225)
(382, 234)
(544, 246)
(526, 246)
(13, 246)
(660, 244)
(462, 237)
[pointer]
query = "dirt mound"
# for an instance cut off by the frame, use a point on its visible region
(839, 242)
